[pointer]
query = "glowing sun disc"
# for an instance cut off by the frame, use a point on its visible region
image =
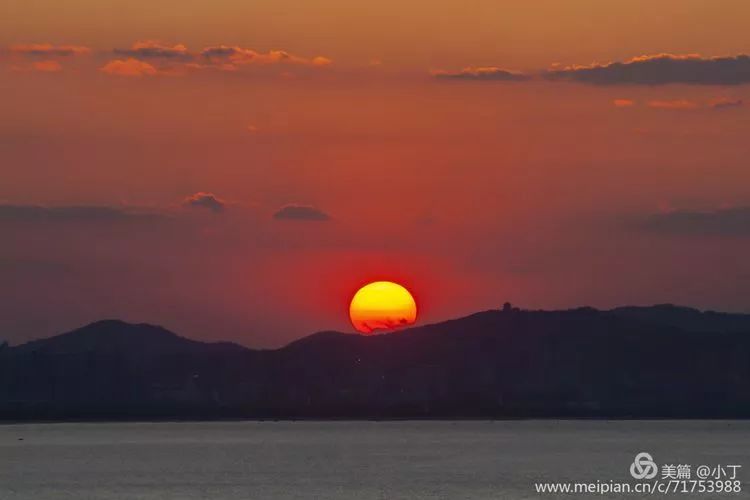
(382, 305)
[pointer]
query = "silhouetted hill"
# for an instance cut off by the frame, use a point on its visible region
(687, 318)
(662, 361)
(111, 335)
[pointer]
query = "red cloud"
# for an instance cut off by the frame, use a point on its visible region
(42, 57)
(229, 57)
(205, 200)
(152, 49)
(482, 73)
(161, 58)
(49, 50)
(129, 67)
(49, 66)
(679, 104)
(623, 103)
(724, 102)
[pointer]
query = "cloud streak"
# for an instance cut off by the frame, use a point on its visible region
(87, 213)
(655, 69)
(206, 201)
(661, 69)
(150, 49)
(721, 222)
(151, 57)
(723, 103)
(487, 73)
(48, 66)
(232, 57)
(623, 103)
(301, 213)
(42, 57)
(673, 104)
(48, 50)
(130, 67)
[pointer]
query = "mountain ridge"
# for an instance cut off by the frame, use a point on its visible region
(730, 322)
(661, 361)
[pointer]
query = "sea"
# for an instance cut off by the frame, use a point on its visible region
(352, 460)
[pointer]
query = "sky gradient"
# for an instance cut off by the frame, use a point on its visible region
(236, 170)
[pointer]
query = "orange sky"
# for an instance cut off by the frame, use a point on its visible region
(404, 33)
(537, 187)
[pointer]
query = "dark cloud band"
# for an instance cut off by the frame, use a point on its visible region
(38, 213)
(722, 222)
(483, 73)
(205, 200)
(661, 69)
(301, 212)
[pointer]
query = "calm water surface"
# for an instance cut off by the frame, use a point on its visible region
(349, 460)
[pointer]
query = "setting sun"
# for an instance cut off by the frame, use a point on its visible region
(382, 305)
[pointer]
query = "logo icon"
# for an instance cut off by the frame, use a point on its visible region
(643, 467)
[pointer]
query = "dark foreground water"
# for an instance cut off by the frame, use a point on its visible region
(354, 460)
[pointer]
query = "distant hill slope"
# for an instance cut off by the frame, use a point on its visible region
(661, 361)
(687, 318)
(115, 335)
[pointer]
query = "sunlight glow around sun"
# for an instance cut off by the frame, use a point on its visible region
(382, 305)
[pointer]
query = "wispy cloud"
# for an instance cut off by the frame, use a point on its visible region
(48, 66)
(130, 67)
(661, 69)
(489, 73)
(623, 103)
(151, 49)
(42, 57)
(231, 57)
(720, 222)
(301, 213)
(205, 200)
(724, 103)
(655, 69)
(682, 104)
(49, 50)
(177, 59)
(86, 213)
(674, 104)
